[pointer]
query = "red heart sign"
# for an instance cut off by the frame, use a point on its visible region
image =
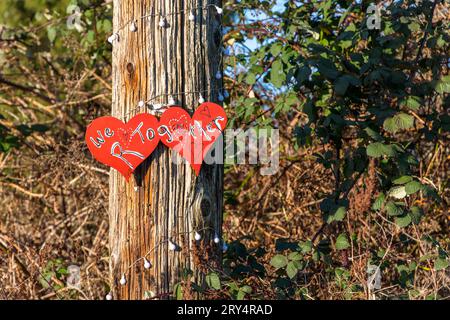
(123, 146)
(192, 137)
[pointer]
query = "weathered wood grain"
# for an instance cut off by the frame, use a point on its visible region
(185, 56)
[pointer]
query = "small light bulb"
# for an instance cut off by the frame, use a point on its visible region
(201, 99)
(162, 22)
(133, 26)
(219, 10)
(197, 236)
(147, 264)
(191, 16)
(123, 280)
(172, 101)
(220, 97)
(113, 37)
(216, 238)
(141, 104)
(109, 296)
(226, 94)
(218, 75)
(172, 246)
(224, 247)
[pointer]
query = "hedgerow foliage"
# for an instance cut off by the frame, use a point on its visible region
(374, 98)
(362, 191)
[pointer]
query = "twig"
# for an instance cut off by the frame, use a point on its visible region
(19, 188)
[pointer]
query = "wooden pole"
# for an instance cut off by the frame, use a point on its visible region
(170, 202)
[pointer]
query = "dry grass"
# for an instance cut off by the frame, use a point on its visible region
(54, 211)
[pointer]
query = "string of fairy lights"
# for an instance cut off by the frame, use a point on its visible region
(152, 107)
(172, 246)
(132, 23)
(172, 99)
(148, 104)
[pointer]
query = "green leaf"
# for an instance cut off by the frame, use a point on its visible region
(250, 78)
(377, 149)
(303, 74)
(106, 26)
(443, 85)
(299, 264)
(340, 86)
(306, 246)
(393, 210)
(378, 203)
(404, 221)
(295, 256)
(404, 121)
(285, 244)
(402, 180)
(276, 48)
(390, 150)
(90, 37)
(178, 290)
(390, 125)
(373, 134)
(425, 257)
(339, 215)
(336, 214)
(412, 187)
(291, 270)
(277, 75)
(327, 69)
(416, 214)
(246, 289)
(412, 102)
(342, 242)
(398, 192)
(414, 26)
(240, 295)
(430, 192)
(51, 34)
(441, 264)
(243, 291)
(213, 281)
(398, 122)
(279, 261)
